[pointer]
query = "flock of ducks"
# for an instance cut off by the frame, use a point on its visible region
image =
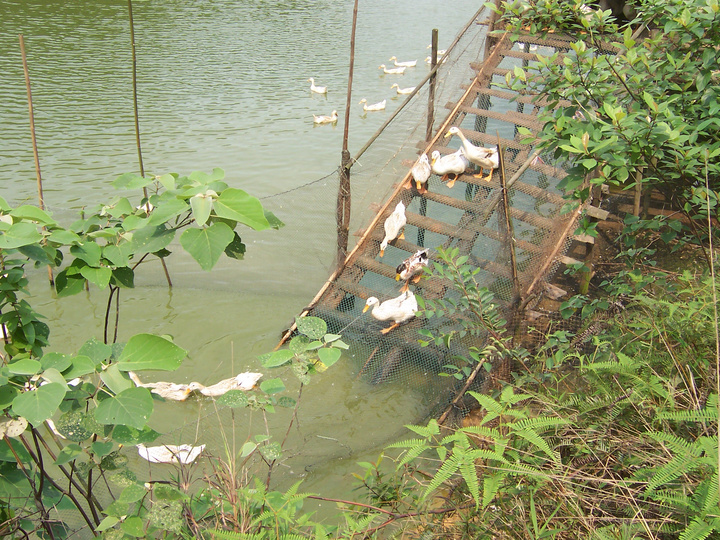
(404, 307)
(397, 68)
(449, 167)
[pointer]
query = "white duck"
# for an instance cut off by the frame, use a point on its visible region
(411, 63)
(485, 158)
(317, 89)
(421, 172)
(398, 310)
(392, 71)
(323, 119)
(399, 90)
(380, 106)
(393, 226)
(441, 59)
(455, 164)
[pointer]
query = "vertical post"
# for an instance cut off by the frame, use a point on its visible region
(432, 82)
(137, 126)
(509, 232)
(342, 215)
(41, 197)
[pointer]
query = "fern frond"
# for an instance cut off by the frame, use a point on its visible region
(489, 433)
(229, 535)
(428, 431)
(410, 443)
(469, 474)
(677, 444)
(533, 438)
(449, 467)
(491, 484)
(697, 530)
(493, 408)
(703, 415)
(674, 499)
(678, 466)
(539, 423)
(706, 495)
(411, 454)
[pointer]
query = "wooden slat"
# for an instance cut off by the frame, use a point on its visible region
(597, 213)
(529, 121)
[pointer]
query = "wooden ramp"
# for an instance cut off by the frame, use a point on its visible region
(516, 236)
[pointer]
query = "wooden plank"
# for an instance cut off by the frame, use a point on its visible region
(568, 260)
(584, 238)
(597, 213)
(529, 121)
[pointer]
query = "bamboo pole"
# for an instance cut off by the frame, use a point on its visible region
(137, 126)
(342, 216)
(41, 197)
(433, 82)
(419, 86)
(509, 229)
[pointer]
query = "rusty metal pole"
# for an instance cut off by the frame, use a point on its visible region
(342, 215)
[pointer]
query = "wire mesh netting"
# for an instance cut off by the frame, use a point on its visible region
(469, 93)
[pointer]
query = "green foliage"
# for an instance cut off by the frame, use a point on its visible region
(95, 405)
(312, 350)
(632, 111)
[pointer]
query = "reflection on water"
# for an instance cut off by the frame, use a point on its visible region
(221, 84)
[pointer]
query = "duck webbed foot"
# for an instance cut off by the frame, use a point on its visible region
(386, 330)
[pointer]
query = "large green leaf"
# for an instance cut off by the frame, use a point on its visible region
(237, 205)
(131, 181)
(67, 285)
(96, 350)
(148, 351)
(329, 356)
(131, 407)
(151, 239)
(312, 327)
(32, 213)
(90, 252)
(100, 276)
(81, 365)
(18, 235)
(39, 405)
(201, 205)
(206, 245)
(167, 210)
(118, 255)
(115, 380)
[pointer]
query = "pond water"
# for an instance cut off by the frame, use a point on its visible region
(220, 84)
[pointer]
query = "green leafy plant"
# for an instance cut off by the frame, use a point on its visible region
(96, 408)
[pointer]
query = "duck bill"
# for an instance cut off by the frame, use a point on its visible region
(366, 308)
